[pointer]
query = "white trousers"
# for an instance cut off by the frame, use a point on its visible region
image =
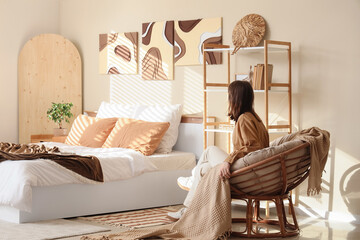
(211, 157)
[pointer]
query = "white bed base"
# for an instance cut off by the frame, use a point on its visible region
(153, 189)
(148, 190)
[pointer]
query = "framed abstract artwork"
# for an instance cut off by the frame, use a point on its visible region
(118, 53)
(190, 36)
(157, 51)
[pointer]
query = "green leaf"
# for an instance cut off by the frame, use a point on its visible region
(59, 112)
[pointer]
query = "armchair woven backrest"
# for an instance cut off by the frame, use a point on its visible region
(275, 175)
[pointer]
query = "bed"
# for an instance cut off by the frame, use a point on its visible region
(150, 183)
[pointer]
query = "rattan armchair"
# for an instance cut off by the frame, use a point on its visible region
(270, 179)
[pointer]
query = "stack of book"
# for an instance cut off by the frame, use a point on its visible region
(258, 81)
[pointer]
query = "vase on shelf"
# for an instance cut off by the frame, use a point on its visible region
(60, 131)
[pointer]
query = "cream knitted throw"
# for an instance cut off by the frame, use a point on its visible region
(208, 216)
(319, 141)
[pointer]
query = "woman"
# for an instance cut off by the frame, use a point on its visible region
(249, 135)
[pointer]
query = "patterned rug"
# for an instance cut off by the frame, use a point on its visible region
(135, 219)
(52, 229)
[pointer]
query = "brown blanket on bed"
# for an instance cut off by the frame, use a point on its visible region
(86, 166)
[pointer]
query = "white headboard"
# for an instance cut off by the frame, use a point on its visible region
(190, 138)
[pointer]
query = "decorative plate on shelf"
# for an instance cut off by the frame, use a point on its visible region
(248, 32)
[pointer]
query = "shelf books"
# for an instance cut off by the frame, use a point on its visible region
(258, 81)
(245, 77)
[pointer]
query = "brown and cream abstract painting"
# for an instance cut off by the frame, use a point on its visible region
(157, 51)
(190, 36)
(118, 53)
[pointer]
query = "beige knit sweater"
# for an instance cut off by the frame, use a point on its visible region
(249, 135)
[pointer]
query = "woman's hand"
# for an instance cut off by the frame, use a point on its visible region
(225, 170)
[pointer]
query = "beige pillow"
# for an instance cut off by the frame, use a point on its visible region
(263, 177)
(90, 131)
(138, 135)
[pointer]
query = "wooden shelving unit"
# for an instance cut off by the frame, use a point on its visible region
(287, 47)
(269, 46)
(224, 86)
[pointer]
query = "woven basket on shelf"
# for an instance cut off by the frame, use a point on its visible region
(248, 32)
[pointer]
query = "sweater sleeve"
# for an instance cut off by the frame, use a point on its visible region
(248, 137)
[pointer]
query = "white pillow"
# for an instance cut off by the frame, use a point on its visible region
(163, 113)
(111, 110)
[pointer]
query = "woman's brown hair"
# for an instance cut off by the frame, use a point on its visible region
(241, 99)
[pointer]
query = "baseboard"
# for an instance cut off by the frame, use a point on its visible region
(328, 215)
(306, 212)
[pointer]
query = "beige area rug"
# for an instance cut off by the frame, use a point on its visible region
(53, 229)
(135, 219)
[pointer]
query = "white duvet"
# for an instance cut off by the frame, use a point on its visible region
(17, 177)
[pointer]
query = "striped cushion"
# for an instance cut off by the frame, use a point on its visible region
(138, 135)
(89, 131)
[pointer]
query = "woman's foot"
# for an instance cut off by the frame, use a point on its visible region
(185, 182)
(174, 216)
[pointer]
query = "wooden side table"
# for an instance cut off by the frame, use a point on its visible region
(60, 139)
(47, 138)
(41, 138)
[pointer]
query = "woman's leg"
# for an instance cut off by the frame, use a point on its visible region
(211, 157)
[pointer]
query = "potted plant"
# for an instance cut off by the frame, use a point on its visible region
(58, 113)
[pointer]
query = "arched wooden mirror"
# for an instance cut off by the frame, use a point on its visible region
(49, 70)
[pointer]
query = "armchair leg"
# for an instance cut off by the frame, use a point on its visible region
(249, 217)
(280, 212)
(291, 208)
(253, 216)
(257, 217)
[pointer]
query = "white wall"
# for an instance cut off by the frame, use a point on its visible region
(20, 20)
(324, 36)
(326, 54)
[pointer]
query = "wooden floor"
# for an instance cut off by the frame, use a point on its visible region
(311, 228)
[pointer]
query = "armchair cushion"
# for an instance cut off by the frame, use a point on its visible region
(268, 174)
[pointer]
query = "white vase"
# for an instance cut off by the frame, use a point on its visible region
(60, 131)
